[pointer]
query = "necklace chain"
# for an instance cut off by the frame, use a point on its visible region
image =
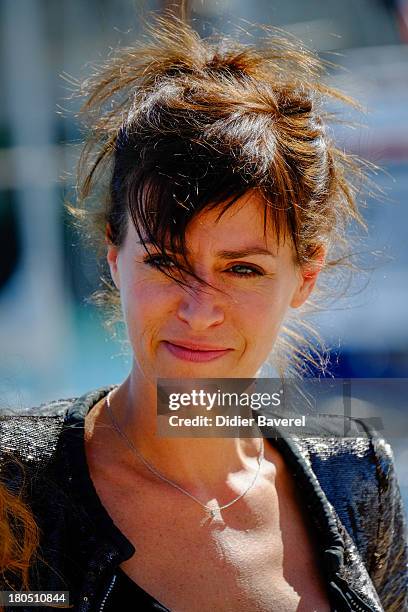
(170, 482)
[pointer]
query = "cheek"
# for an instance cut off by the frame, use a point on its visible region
(268, 306)
(144, 305)
(262, 315)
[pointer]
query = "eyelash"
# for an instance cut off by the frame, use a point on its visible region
(254, 271)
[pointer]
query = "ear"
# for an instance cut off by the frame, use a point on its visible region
(309, 274)
(112, 257)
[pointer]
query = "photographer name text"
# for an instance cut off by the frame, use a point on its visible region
(236, 421)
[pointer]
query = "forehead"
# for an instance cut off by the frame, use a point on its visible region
(241, 224)
(245, 225)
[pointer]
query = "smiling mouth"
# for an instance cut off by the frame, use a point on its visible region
(194, 352)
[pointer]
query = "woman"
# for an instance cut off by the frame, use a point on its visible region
(225, 200)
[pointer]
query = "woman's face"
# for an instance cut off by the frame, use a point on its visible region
(202, 332)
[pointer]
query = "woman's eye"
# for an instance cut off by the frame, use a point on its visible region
(245, 270)
(158, 260)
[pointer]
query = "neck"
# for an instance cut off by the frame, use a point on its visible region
(191, 462)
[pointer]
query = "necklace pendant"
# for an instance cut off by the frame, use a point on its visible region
(212, 512)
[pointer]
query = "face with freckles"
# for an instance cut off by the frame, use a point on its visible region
(223, 331)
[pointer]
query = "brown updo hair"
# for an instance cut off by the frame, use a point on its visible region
(178, 124)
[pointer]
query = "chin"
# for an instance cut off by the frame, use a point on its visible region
(192, 371)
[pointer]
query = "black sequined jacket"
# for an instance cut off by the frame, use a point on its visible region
(348, 486)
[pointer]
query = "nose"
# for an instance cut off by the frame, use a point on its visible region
(200, 307)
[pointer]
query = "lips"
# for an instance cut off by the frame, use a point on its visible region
(195, 352)
(197, 346)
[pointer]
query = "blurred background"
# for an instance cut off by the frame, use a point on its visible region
(52, 342)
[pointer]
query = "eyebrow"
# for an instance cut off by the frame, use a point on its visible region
(233, 254)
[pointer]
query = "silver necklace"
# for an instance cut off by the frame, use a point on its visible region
(155, 471)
